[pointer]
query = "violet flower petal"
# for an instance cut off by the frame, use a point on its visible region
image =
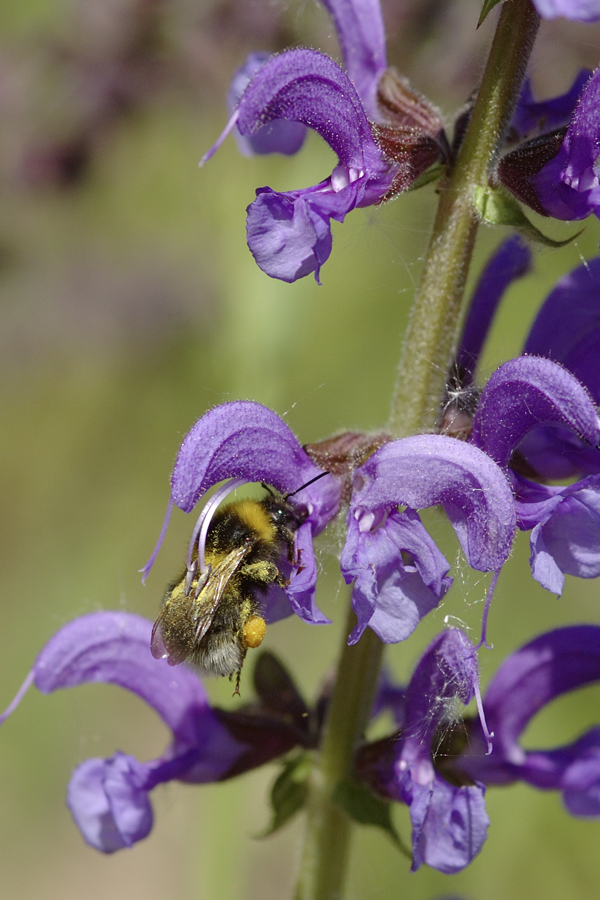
(545, 668)
(276, 137)
(114, 648)
(109, 803)
(510, 261)
(569, 317)
(535, 117)
(449, 825)
(389, 596)
(578, 10)
(359, 25)
(243, 439)
(527, 392)
(568, 187)
(290, 234)
(426, 470)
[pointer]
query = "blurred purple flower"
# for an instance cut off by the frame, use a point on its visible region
(245, 441)
(578, 10)
(108, 798)
(546, 668)
(399, 573)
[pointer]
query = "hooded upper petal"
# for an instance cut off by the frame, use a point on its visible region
(243, 439)
(427, 470)
(546, 668)
(533, 117)
(359, 25)
(525, 393)
(276, 137)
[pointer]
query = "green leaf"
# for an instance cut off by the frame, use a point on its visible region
(363, 806)
(497, 207)
(289, 792)
(488, 6)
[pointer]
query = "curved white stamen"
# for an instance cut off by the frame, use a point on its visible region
(487, 733)
(145, 571)
(19, 696)
(229, 127)
(204, 519)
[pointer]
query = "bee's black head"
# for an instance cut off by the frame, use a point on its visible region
(283, 514)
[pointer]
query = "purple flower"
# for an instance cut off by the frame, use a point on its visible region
(566, 186)
(289, 234)
(449, 821)
(248, 442)
(398, 572)
(579, 10)
(546, 668)
(108, 798)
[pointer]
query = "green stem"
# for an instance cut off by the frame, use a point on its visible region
(432, 333)
(325, 852)
(431, 337)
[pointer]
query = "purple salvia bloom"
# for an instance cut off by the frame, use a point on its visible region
(276, 137)
(578, 10)
(244, 440)
(359, 25)
(546, 668)
(289, 234)
(418, 472)
(449, 823)
(525, 393)
(567, 187)
(109, 798)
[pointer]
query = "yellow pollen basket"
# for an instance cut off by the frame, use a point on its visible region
(255, 629)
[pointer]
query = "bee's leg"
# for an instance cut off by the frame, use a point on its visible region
(238, 675)
(263, 571)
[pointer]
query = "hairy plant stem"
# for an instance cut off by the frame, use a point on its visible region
(431, 337)
(429, 346)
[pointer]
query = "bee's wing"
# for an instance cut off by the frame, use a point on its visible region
(204, 609)
(173, 653)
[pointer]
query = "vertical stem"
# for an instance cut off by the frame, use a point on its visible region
(431, 336)
(326, 846)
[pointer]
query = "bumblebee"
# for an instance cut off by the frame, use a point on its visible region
(211, 617)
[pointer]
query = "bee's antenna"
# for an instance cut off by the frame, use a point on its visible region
(301, 488)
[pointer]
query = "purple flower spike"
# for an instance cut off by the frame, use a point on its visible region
(525, 393)
(109, 798)
(361, 34)
(546, 668)
(276, 137)
(449, 822)
(579, 10)
(390, 594)
(567, 187)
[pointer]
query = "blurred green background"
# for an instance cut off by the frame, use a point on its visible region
(130, 305)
